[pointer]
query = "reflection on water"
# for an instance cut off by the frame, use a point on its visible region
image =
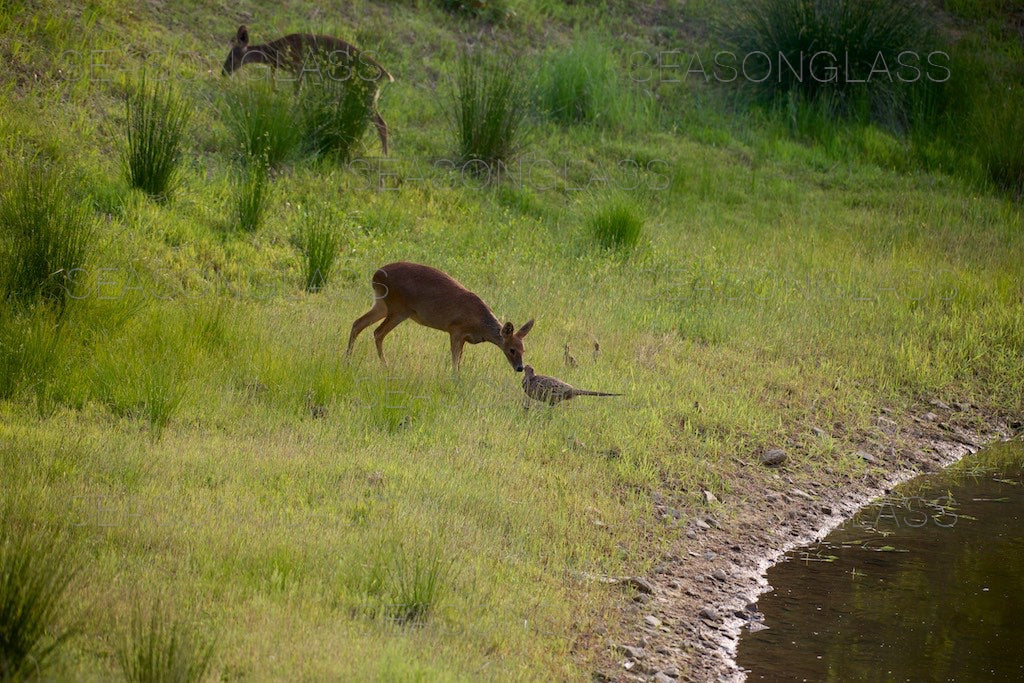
(928, 584)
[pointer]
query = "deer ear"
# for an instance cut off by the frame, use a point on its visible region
(525, 329)
(242, 37)
(507, 330)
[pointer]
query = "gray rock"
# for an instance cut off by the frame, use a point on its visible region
(866, 457)
(640, 583)
(720, 575)
(939, 404)
(773, 457)
(931, 417)
(708, 612)
(652, 621)
(662, 677)
(819, 432)
(798, 493)
(632, 652)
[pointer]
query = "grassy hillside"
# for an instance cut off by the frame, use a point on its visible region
(186, 425)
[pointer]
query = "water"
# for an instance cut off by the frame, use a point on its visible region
(928, 584)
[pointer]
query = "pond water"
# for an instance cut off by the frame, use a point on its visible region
(925, 584)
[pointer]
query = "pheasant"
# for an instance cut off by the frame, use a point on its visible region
(552, 391)
(570, 361)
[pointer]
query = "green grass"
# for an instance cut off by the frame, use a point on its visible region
(617, 223)
(853, 34)
(333, 519)
(335, 115)
(35, 574)
(252, 196)
(580, 84)
(320, 241)
(264, 123)
(155, 127)
(487, 109)
(45, 233)
(160, 650)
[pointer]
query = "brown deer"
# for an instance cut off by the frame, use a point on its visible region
(432, 298)
(305, 53)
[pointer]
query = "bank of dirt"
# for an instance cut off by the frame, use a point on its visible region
(685, 619)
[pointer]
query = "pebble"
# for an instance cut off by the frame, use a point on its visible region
(720, 575)
(662, 677)
(652, 621)
(773, 457)
(931, 417)
(819, 432)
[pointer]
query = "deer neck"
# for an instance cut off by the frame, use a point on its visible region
(492, 330)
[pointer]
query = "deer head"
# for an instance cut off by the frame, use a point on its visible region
(239, 47)
(512, 343)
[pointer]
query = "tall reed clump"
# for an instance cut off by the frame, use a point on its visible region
(997, 128)
(617, 224)
(580, 84)
(30, 345)
(263, 123)
(45, 234)
(159, 650)
(828, 48)
(335, 114)
(319, 242)
(253, 191)
(488, 108)
(157, 117)
(35, 573)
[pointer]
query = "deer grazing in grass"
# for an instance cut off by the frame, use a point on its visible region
(432, 298)
(304, 54)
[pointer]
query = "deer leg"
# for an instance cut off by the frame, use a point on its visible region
(458, 341)
(382, 130)
(378, 121)
(378, 312)
(390, 322)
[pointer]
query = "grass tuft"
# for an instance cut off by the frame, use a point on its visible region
(856, 33)
(579, 84)
(264, 124)
(488, 107)
(253, 192)
(335, 115)
(157, 118)
(406, 585)
(617, 224)
(34, 576)
(319, 242)
(45, 234)
(998, 129)
(159, 650)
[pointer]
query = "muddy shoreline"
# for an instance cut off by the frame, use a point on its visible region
(687, 626)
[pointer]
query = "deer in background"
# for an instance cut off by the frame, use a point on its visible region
(297, 51)
(432, 298)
